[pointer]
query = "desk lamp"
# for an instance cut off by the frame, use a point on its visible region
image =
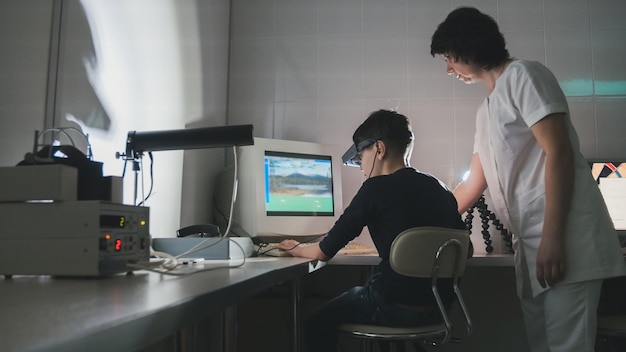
(197, 138)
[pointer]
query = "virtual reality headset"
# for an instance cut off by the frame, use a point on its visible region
(351, 156)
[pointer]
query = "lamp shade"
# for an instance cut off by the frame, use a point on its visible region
(195, 138)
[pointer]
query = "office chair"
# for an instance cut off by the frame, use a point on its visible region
(423, 252)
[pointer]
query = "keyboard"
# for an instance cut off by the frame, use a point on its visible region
(351, 248)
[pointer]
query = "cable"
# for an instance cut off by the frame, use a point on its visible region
(234, 194)
(151, 180)
(259, 253)
(124, 169)
(170, 263)
(373, 163)
(178, 273)
(200, 246)
(143, 191)
(243, 253)
(59, 130)
(63, 130)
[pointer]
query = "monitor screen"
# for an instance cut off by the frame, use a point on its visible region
(283, 188)
(298, 184)
(611, 178)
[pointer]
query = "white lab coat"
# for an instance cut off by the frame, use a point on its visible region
(514, 167)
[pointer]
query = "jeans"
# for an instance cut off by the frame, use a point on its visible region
(359, 305)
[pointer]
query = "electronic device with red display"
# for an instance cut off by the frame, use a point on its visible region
(72, 238)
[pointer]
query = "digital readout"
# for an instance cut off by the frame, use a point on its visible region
(112, 221)
(118, 245)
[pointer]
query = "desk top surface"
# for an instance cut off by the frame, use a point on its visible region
(125, 312)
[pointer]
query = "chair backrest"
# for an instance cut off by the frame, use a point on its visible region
(417, 251)
(434, 252)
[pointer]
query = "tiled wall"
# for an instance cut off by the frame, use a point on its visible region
(23, 74)
(313, 69)
(155, 65)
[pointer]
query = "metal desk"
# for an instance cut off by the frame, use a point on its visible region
(127, 312)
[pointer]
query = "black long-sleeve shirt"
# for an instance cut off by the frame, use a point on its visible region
(388, 205)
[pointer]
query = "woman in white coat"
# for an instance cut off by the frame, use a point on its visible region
(526, 154)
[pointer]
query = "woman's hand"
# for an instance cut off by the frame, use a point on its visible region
(550, 260)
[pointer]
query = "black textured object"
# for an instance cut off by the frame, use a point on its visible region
(487, 215)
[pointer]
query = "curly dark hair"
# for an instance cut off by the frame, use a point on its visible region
(472, 37)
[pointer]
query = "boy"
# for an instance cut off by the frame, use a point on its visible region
(393, 198)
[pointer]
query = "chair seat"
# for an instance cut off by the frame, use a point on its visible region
(430, 253)
(612, 325)
(392, 333)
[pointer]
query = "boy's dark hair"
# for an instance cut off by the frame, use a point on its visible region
(389, 126)
(472, 37)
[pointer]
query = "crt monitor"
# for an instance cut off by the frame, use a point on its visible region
(284, 189)
(610, 174)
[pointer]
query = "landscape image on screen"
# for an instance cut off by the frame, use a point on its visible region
(298, 184)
